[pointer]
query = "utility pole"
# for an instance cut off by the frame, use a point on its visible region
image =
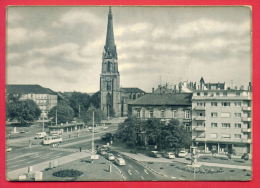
(93, 121)
(79, 111)
(56, 120)
(42, 123)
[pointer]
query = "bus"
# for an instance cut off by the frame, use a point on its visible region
(52, 140)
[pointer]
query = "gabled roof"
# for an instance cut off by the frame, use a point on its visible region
(24, 89)
(131, 90)
(164, 99)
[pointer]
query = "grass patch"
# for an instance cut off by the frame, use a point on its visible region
(67, 173)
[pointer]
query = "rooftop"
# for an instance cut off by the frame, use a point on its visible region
(164, 99)
(131, 90)
(24, 89)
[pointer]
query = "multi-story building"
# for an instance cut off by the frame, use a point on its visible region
(45, 98)
(163, 106)
(221, 120)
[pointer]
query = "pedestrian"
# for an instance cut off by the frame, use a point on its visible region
(79, 149)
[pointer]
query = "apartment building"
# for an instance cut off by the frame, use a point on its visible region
(222, 120)
(45, 98)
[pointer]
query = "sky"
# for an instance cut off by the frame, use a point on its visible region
(61, 47)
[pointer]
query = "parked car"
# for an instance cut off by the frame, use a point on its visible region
(8, 149)
(169, 155)
(110, 156)
(40, 135)
(154, 154)
(120, 161)
(182, 153)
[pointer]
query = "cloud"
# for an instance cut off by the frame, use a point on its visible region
(74, 17)
(20, 35)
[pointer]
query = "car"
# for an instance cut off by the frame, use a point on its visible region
(110, 156)
(8, 149)
(182, 154)
(154, 154)
(40, 135)
(120, 161)
(169, 155)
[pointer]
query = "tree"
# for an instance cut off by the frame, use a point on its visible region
(95, 100)
(178, 136)
(64, 113)
(88, 116)
(79, 102)
(24, 111)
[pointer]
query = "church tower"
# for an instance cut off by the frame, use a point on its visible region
(110, 78)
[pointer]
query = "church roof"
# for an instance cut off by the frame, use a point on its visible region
(164, 99)
(24, 89)
(131, 90)
(110, 46)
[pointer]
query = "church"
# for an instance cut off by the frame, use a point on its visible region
(113, 99)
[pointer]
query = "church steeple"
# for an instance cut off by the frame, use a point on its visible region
(110, 47)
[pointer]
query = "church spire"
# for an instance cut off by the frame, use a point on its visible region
(110, 47)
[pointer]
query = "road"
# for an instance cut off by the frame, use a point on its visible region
(134, 171)
(22, 156)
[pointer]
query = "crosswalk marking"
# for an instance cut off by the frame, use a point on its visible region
(146, 171)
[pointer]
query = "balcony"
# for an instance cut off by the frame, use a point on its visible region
(197, 139)
(199, 118)
(246, 130)
(199, 108)
(246, 118)
(246, 108)
(199, 128)
(248, 141)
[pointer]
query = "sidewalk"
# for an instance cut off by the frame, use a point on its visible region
(13, 175)
(143, 158)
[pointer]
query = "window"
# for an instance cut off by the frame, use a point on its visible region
(143, 113)
(214, 114)
(225, 93)
(237, 103)
(237, 135)
(214, 103)
(151, 113)
(200, 103)
(214, 125)
(237, 125)
(225, 125)
(198, 94)
(225, 103)
(213, 135)
(217, 93)
(162, 114)
(200, 124)
(225, 114)
(173, 113)
(225, 136)
(205, 93)
(237, 114)
(187, 114)
(237, 93)
(138, 114)
(187, 127)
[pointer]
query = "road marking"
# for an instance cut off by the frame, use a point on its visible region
(137, 171)
(129, 172)
(146, 171)
(130, 166)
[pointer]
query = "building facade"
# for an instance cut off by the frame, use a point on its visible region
(221, 120)
(164, 107)
(45, 98)
(114, 100)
